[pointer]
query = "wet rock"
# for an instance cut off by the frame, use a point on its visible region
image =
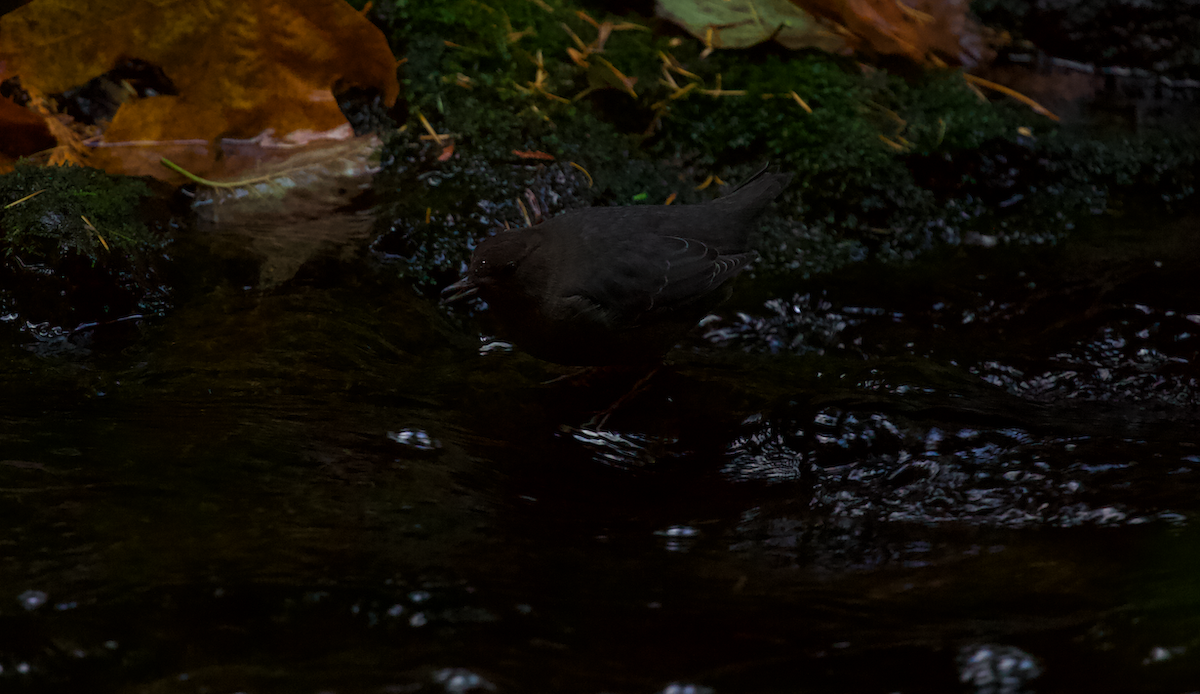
(83, 253)
(997, 669)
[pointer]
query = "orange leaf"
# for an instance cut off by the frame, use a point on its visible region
(533, 155)
(930, 32)
(920, 30)
(239, 67)
(25, 132)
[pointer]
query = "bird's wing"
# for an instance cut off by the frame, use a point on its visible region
(726, 222)
(692, 270)
(649, 274)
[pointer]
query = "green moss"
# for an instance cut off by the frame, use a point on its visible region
(59, 271)
(886, 166)
(1156, 165)
(51, 223)
(495, 47)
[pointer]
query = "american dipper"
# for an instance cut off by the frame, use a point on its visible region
(616, 285)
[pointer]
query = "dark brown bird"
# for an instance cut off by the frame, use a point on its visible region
(616, 285)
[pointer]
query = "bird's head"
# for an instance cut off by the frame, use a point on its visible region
(493, 263)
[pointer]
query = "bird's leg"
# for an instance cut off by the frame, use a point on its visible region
(571, 376)
(583, 374)
(597, 422)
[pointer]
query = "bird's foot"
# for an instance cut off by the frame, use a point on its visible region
(597, 423)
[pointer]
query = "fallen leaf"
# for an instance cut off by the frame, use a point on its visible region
(238, 68)
(744, 23)
(25, 133)
(296, 208)
(533, 155)
(929, 32)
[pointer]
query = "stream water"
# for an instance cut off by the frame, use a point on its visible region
(977, 473)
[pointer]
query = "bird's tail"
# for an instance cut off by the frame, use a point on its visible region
(727, 223)
(753, 194)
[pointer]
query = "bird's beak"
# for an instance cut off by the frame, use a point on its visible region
(461, 289)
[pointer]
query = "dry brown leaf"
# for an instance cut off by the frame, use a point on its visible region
(239, 68)
(25, 133)
(530, 154)
(295, 207)
(928, 32)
